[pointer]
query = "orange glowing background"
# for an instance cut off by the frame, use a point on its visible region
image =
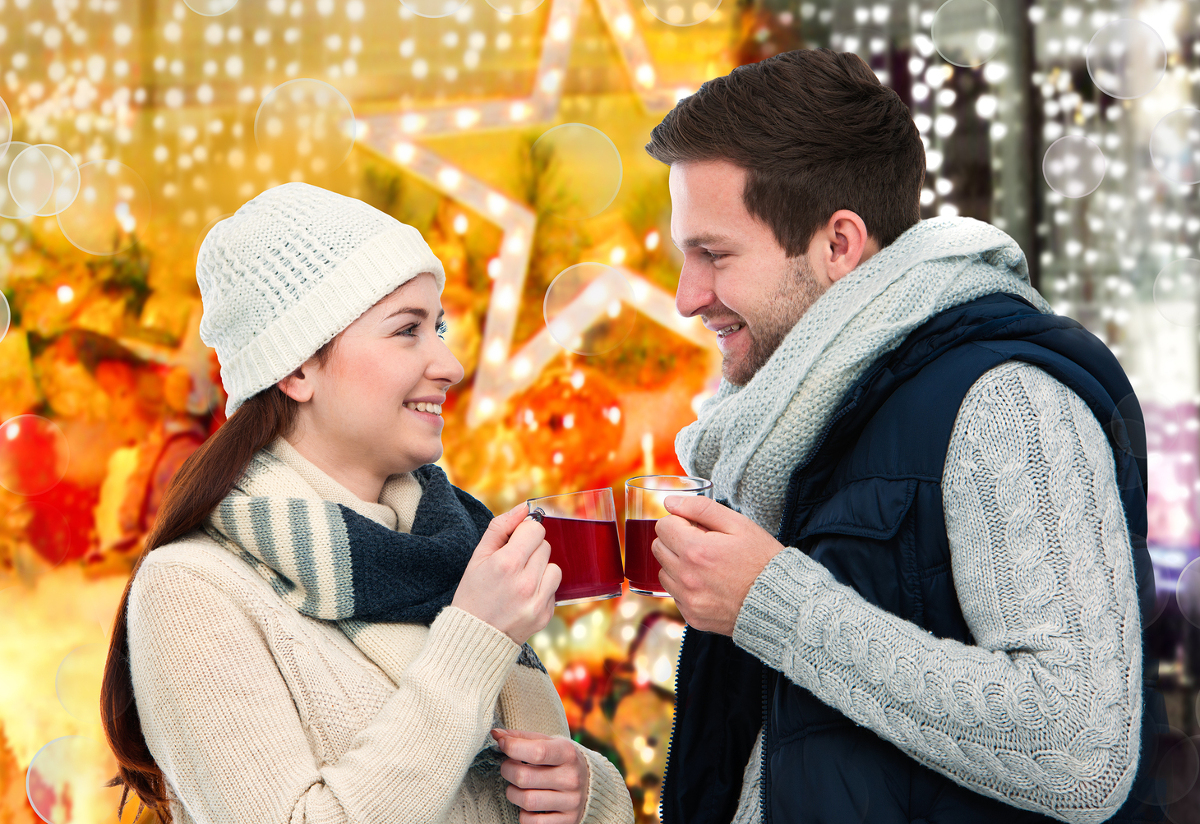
(105, 387)
(511, 134)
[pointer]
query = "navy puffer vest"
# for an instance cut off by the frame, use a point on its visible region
(868, 505)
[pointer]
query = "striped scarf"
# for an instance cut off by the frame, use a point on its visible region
(329, 562)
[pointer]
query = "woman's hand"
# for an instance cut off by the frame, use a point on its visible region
(548, 778)
(510, 582)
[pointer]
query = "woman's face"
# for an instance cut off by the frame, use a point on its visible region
(377, 401)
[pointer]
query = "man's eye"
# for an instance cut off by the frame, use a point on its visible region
(714, 255)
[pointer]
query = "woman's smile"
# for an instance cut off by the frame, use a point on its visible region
(427, 410)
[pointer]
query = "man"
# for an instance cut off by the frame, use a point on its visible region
(925, 599)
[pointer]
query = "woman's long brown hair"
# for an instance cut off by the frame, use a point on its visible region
(202, 482)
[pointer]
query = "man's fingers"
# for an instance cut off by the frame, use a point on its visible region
(673, 532)
(703, 512)
(669, 584)
(662, 551)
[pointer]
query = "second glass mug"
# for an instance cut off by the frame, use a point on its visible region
(643, 507)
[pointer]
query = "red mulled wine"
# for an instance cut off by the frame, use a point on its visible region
(589, 554)
(641, 567)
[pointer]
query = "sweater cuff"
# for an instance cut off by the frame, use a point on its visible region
(608, 799)
(467, 655)
(769, 620)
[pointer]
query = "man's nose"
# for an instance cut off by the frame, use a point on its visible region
(694, 291)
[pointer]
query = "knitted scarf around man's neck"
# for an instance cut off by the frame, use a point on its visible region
(749, 439)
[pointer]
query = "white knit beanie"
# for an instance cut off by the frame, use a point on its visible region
(288, 271)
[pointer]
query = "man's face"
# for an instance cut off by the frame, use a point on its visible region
(735, 274)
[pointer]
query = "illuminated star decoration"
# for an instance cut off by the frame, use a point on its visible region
(501, 372)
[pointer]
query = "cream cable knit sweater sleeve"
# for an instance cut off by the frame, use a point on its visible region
(1044, 711)
(219, 715)
(259, 715)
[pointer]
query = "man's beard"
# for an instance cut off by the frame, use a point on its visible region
(797, 292)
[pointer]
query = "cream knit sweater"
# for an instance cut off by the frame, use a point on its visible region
(258, 714)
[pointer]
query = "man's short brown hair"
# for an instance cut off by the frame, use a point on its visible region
(816, 132)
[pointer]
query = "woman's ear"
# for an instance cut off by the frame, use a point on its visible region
(298, 386)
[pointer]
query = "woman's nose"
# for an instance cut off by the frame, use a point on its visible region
(444, 366)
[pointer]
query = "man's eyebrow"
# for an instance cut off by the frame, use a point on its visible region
(704, 240)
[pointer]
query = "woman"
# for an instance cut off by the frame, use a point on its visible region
(322, 628)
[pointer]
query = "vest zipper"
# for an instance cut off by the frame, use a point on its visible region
(662, 790)
(762, 767)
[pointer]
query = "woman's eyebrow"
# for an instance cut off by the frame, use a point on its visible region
(409, 310)
(414, 310)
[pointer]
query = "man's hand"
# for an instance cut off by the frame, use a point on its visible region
(710, 556)
(548, 778)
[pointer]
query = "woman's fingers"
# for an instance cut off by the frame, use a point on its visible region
(537, 560)
(548, 587)
(546, 776)
(539, 750)
(548, 818)
(500, 531)
(525, 540)
(543, 801)
(537, 777)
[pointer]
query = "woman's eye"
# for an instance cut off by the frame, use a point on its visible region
(411, 331)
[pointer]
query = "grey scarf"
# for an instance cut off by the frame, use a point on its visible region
(748, 439)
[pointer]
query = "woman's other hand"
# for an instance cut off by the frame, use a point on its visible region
(510, 582)
(548, 779)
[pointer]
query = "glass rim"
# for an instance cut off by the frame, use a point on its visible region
(704, 483)
(601, 489)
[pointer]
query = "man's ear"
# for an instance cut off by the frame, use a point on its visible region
(841, 245)
(298, 386)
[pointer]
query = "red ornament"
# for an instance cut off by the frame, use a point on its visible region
(570, 424)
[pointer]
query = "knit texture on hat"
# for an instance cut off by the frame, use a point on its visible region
(290, 270)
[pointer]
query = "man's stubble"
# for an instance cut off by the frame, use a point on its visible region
(797, 292)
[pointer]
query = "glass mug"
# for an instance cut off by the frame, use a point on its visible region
(581, 528)
(643, 507)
